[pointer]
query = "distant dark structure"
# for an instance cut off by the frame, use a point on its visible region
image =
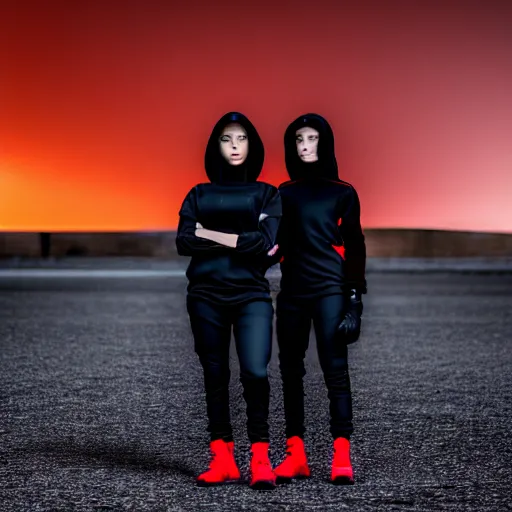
(45, 242)
(380, 243)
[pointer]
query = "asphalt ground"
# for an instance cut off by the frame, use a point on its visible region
(102, 405)
(139, 265)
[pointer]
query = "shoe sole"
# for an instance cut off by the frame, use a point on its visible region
(263, 485)
(343, 480)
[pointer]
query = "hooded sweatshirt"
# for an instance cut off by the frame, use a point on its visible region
(321, 244)
(232, 202)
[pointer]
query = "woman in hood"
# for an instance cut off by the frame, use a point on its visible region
(228, 226)
(322, 253)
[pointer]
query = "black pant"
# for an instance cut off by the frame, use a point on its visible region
(294, 318)
(252, 328)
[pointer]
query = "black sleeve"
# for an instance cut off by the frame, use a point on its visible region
(353, 238)
(278, 256)
(258, 243)
(187, 243)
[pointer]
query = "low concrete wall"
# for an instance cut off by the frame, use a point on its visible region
(160, 244)
(411, 243)
(386, 243)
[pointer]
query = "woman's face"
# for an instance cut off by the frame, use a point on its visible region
(307, 144)
(234, 144)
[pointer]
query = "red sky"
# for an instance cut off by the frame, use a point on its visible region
(106, 106)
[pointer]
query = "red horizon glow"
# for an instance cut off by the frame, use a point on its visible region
(106, 110)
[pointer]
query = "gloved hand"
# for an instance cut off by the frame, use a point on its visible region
(350, 327)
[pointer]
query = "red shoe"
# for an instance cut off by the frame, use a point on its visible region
(262, 476)
(223, 468)
(295, 464)
(342, 473)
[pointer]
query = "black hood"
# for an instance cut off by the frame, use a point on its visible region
(218, 169)
(326, 165)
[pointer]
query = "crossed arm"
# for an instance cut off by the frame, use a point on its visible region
(226, 239)
(193, 238)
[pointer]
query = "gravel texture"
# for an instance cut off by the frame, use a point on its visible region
(102, 407)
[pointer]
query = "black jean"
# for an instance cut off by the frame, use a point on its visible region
(293, 324)
(252, 328)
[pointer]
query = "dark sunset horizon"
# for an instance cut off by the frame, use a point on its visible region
(106, 107)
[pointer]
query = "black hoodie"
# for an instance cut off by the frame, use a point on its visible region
(233, 202)
(321, 243)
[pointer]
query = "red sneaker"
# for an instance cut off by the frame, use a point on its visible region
(223, 468)
(262, 476)
(295, 464)
(342, 473)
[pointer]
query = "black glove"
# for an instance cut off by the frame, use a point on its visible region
(350, 327)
